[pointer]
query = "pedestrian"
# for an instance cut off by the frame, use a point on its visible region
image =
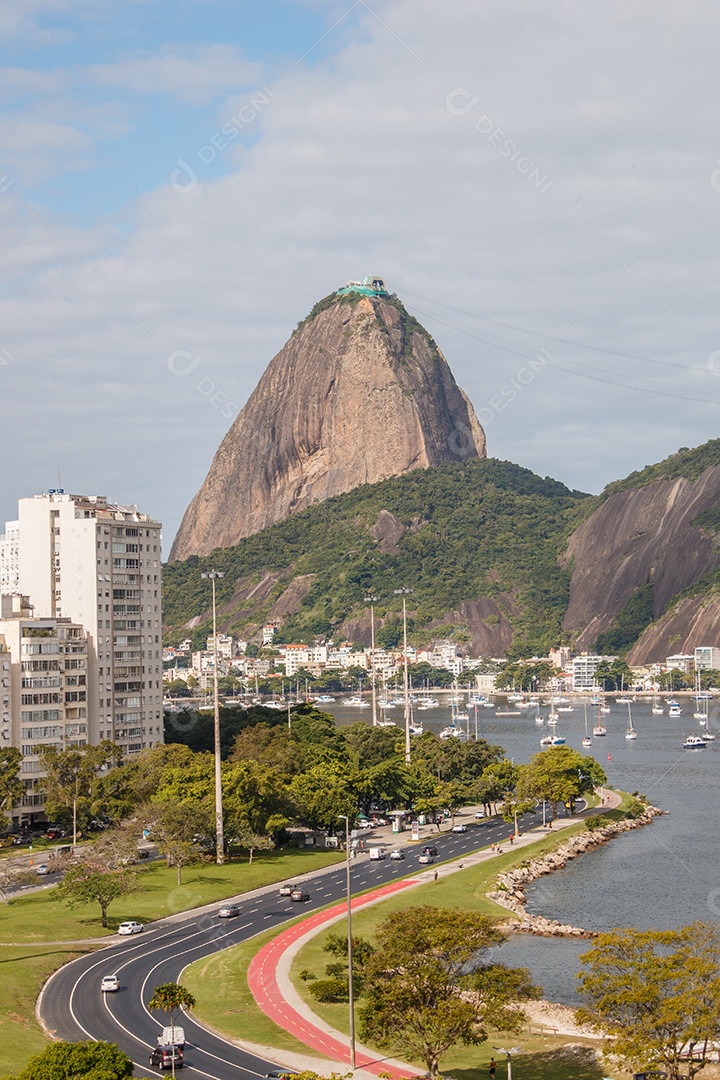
(436, 875)
(512, 838)
(492, 1067)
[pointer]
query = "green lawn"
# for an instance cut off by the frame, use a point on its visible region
(39, 917)
(24, 970)
(220, 985)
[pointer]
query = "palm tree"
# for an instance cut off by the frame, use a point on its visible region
(169, 998)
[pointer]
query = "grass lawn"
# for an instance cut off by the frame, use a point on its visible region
(40, 916)
(24, 970)
(220, 985)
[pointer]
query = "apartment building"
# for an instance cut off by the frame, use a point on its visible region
(98, 564)
(43, 689)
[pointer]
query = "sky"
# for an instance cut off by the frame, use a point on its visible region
(179, 183)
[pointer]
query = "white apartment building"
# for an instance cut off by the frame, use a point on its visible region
(98, 564)
(680, 662)
(707, 658)
(43, 692)
(584, 668)
(9, 569)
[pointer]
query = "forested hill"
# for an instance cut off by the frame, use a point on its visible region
(477, 542)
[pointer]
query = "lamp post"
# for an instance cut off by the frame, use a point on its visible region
(351, 995)
(510, 1052)
(213, 575)
(404, 593)
(372, 600)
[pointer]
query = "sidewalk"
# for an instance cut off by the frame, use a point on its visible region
(269, 971)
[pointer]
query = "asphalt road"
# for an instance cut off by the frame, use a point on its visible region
(73, 1007)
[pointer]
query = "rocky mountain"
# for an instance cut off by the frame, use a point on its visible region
(478, 542)
(358, 394)
(645, 565)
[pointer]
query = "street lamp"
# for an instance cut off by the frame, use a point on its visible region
(351, 995)
(510, 1052)
(404, 593)
(372, 600)
(213, 575)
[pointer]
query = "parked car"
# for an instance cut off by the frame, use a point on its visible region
(363, 823)
(54, 832)
(109, 983)
(299, 895)
(424, 857)
(397, 854)
(479, 813)
(162, 1057)
(459, 828)
(280, 1074)
(430, 850)
(143, 853)
(287, 890)
(229, 911)
(130, 927)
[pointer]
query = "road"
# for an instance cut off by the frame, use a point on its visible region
(73, 1008)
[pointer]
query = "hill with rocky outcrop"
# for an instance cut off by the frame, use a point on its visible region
(358, 394)
(645, 565)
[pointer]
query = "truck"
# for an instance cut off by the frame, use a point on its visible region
(377, 853)
(172, 1036)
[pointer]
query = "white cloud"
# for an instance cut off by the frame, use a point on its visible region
(360, 166)
(194, 76)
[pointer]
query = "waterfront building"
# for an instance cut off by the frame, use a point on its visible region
(584, 668)
(707, 658)
(680, 662)
(98, 564)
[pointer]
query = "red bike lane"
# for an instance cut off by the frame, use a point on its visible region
(266, 989)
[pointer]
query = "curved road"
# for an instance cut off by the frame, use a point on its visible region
(73, 1008)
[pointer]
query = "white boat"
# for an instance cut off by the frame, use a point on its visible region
(384, 722)
(565, 708)
(451, 732)
(385, 703)
(631, 733)
(428, 703)
(357, 703)
(587, 741)
(552, 740)
(416, 729)
(460, 715)
(599, 729)
(508, 712)
(674, 710)
(694, 742)
(604, 708)
(324, 698)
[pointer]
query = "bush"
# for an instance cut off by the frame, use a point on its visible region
(594, 823)
(330, 990)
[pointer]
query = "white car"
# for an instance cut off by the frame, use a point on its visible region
(425, 858)
(109, 983)
(459, 828)
(130, 927)
(397, 854)
(43, 869)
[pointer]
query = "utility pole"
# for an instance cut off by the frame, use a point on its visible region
(372, 600)
(404, 593)
(219, 837)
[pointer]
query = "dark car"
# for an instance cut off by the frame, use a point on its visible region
(430, 851)
(143, 853)
(162, 1057)
(228, 911)
(299, 895)
(55, 832)
(279, 1074)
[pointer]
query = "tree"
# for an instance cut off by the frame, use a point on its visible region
(657, 992)
(174, 827)
(427, 990)
(170, 998)
(70, 776)
(88, 884)
(11, 786)
(80, 1060)
(559, 775)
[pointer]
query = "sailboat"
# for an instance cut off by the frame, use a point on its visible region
(631, 733)
(700, 702)
(657, 710)
(599, 728)
(587, 741)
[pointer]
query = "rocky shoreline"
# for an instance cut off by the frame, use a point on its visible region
(510, 885)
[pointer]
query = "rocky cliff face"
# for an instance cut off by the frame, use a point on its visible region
(359, 393)
(639, 537)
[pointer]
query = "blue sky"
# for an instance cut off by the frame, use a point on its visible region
(540, 183)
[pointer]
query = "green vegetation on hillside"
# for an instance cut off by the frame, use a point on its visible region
(690, 464)
(474, 529)
(628, 624)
